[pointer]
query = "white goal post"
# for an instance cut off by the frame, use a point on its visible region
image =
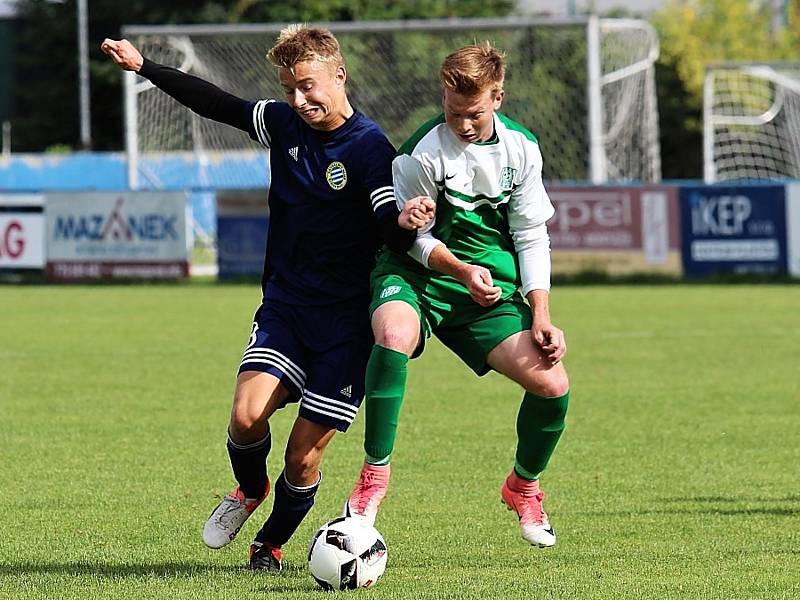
(751, 122)
(584, 86)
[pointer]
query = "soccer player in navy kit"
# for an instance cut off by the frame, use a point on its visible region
(331, 206)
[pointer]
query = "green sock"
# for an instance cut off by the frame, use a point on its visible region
(385, 386)
(539, 425)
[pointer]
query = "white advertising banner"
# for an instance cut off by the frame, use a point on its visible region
(21, 240)
(97, 235)
(793, 228)
(21, 231)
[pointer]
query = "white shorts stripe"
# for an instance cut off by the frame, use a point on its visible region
(345, 413)
(273, 362)
(326, 410)
(336, 403)
(270, 352)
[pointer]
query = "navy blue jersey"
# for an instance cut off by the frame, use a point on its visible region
(331, 196)
(328, 189)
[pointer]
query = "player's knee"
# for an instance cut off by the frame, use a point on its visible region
(301, 462)
(247, 422)
(551, 384)
(400, 337)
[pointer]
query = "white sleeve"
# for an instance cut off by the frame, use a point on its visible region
(529, 209)
(412, 178)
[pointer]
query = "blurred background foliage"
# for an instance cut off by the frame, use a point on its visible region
(43, 100)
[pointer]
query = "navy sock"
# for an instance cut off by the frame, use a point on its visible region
(291, 505)
(249, 463)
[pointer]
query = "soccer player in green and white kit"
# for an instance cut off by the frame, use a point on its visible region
(462, 277)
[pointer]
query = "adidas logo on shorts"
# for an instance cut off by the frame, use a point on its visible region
(347, 392)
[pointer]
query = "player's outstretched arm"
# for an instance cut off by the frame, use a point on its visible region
(123, 53)
(204, 98)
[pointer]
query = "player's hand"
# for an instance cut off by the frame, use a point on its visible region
(416, 213)
(482, 290)
(123, 53)
(550, 339)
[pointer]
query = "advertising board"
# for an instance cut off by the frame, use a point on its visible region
(242, 224)
(615, 230)
(21, 232)
(102, 235)
(734, 230)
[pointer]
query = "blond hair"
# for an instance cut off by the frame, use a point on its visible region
(473, 69)
(300, 43)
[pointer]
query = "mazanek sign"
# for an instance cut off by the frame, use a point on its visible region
(21, 232)
(110, 235)
(615, 229)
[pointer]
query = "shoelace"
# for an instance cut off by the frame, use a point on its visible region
(230, 505)
(363, 488)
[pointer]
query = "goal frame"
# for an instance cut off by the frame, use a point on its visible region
(767, 71)
(594, 28)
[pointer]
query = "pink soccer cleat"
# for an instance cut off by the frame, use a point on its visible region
(370, 489)
(525, 498)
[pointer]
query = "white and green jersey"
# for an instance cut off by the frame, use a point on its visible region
(491, 206)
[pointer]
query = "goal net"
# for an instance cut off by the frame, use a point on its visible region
(584, 87)
(751, 122)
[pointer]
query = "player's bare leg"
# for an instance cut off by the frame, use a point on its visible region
(539, 426)
(295, 490)
(257, 396)
(396, 328)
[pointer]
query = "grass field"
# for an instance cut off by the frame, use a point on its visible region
(677, 476)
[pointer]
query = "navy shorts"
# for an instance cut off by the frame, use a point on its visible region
(319, 354)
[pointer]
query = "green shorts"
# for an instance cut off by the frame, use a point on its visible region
(468, 329)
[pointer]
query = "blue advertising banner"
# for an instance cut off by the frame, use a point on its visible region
(242, 224)
(733, 229)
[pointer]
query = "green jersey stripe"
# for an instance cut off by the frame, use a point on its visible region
(472, 199)
(514, 126)
(411, 143)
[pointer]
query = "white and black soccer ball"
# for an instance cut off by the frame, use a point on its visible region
(347, 554)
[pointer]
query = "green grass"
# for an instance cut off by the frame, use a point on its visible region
(677, 476)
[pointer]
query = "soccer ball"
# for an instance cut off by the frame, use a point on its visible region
(346, 554)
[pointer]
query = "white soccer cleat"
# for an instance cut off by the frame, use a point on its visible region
(227, 519)
(525, 498)
(371, 488)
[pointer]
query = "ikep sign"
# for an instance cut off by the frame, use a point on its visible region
(737, 229)
(106, 235)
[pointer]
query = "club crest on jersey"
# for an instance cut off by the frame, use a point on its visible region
(507, 178)
(336, 175)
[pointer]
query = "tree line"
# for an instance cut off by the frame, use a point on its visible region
(42, 41)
